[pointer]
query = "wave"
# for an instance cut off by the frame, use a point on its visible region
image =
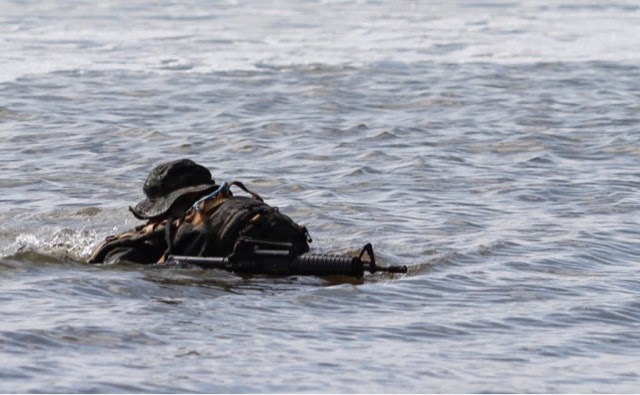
(171, 39)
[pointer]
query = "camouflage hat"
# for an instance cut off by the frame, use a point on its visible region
(169, 181)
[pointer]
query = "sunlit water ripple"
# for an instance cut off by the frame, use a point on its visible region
(494, 150)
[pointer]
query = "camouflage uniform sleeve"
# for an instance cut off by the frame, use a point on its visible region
(142, 245)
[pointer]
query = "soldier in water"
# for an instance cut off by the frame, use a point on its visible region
(187, 213)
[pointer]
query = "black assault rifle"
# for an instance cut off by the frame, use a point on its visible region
(275, 258)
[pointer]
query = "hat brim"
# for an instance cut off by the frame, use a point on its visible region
(150, 208)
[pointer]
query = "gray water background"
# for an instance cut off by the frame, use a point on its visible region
(492, 147)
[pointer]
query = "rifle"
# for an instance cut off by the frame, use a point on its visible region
(276, 258)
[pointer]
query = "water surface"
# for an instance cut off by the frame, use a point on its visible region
(492, 147)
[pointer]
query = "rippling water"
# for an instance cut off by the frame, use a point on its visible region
(492, 147)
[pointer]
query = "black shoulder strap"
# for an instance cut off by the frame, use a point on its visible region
(241, 186)
(168, 234)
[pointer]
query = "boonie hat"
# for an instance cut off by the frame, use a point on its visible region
(169, 181)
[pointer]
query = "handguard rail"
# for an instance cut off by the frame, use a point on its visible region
(265, 257)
